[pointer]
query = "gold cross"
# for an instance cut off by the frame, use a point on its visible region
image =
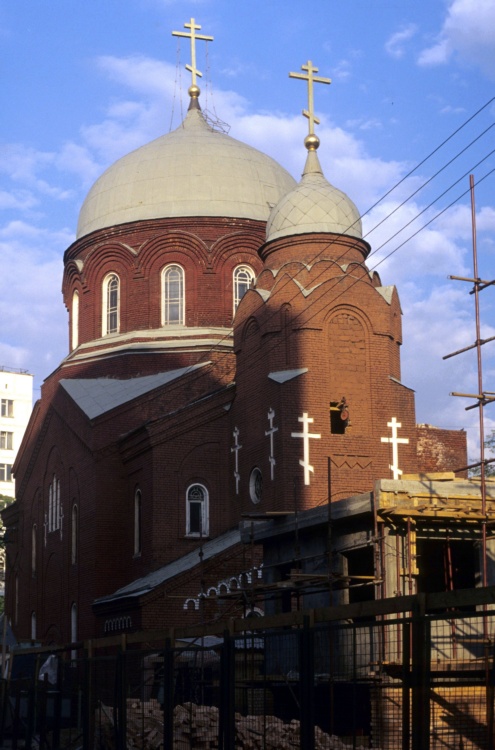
(311, 79)
(193, 36)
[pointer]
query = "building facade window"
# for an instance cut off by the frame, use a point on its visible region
(6, 407)
(6, 441)
(6, 473)
(73, 534)
(137, 522)
(111, 304)
(243, 278)
(73, 623)
(197, 510)
(173, 301)
(54, 520)
(75, 319)
(256, 485)
(34, 532)
(16, 598)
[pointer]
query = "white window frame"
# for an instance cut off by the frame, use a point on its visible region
(138, 508)
(6, 440)
(179, 300)
(6, 473)
(110, 326)
(7, 408)
(75, 320)
(204, 506)
(243, 277)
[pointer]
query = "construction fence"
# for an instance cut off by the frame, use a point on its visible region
(407, 673)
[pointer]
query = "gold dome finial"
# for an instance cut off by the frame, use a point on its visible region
(194, 90)
(311, 141)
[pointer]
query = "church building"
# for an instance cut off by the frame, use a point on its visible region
(230, 355)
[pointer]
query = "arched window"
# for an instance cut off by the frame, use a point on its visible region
(73, 623)
(75, 319)
(34, 531)
(73, 534)
(173, 295)
(111, 304)
(73, 629)
(137, 522)
(197, 510)
(16, 598)
(54, 506)
(243, 278)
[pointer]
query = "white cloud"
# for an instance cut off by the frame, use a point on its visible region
(33, 327)
(140, 73)
(21, 200)
(469, 32)
(395, 45)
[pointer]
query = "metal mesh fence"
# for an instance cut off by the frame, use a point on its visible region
(412, 681)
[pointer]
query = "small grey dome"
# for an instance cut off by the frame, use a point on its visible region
(314, 205)
(193, 171)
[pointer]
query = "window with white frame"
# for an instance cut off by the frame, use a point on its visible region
(243, 278)
(54, 520)
(197, 510)
(6, 440)
(173, 295)
(6, 407)
(6, 473)
(111, 304)
(137, 522)
(75, 319)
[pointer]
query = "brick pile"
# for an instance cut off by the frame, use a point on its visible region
(198, 727)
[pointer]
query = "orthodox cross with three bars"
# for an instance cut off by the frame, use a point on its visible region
(236, 450)
(306, 435)
(270, 433)
(395, 440)
(311, 79)
(193, 36)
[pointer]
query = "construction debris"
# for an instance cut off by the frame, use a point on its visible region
(198, 727)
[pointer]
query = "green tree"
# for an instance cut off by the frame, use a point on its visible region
(489, 454)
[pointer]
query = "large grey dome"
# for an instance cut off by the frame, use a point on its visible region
(314, 206)
(193, 171)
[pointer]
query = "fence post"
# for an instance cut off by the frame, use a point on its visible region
(306, 683)
(227, 694)
(168, 695)
(120, 703)
(421, 660)
(406, 684)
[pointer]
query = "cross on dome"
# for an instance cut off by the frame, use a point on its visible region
(312, 141)
(194, 88)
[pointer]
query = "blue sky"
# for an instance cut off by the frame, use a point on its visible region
(83, 83)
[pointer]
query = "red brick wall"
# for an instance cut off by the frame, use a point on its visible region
(441, 450)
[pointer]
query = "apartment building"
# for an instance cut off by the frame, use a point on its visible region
(16, 403)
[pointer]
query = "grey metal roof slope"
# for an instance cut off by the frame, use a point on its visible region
(95, 396)
(149, 582)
